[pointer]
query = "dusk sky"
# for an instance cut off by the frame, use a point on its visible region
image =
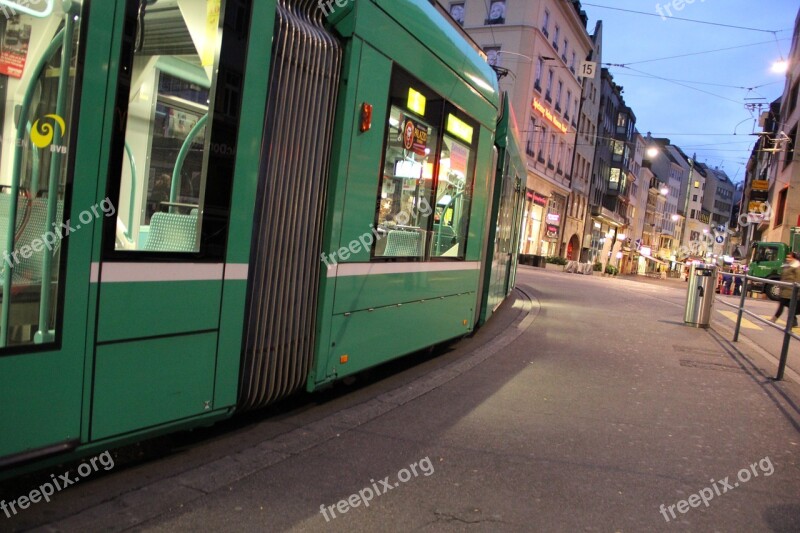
(685, 115)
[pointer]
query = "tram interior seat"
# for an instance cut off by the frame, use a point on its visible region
(401, 243)
(171, 232)
(28, 271)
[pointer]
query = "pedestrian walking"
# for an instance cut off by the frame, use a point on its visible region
(737, 283)
(727, 279)
(790, 273)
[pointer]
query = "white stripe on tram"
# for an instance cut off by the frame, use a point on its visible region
(237, 272)
(377, 269)
(156, 272)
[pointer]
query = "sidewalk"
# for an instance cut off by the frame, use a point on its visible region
(594, 409)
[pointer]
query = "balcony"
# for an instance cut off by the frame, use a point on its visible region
(607, 215)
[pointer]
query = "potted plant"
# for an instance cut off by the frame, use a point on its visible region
(555, 262)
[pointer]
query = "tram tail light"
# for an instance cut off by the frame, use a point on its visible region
(344, 359)
(366, 117)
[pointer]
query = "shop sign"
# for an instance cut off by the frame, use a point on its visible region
(415, 136)
(554, 218)
(552, 231)
(760, 185)
(539, 199)
(549, 116)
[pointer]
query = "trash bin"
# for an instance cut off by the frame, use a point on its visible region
(700, 296)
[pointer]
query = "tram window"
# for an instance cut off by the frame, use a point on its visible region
(37, 125)
(406, 187)
(453, 199)
(425, 193)
(167, 139)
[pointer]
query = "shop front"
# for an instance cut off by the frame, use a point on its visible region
(532, 239)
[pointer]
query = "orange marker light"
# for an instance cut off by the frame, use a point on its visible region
(343, 359)
(366, 117)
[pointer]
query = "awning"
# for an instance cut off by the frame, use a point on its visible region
(659, 261)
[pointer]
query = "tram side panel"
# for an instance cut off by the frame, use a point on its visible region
(403, 250)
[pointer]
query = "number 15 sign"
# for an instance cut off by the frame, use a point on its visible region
(588, 69)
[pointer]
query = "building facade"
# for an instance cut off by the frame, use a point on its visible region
(755, 203)
(784, 186)
(611, 175)
(539, 47)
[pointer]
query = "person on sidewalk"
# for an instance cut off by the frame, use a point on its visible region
(790, 274)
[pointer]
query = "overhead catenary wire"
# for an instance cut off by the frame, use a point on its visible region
(682, 84)
(716, 50)
(696, 21)
(704, 83)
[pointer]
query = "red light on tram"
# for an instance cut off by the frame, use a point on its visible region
(366, 117)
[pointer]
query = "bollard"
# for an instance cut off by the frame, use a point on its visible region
(742, 301)
(787, 335)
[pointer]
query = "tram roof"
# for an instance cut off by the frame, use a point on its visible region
(446, 42)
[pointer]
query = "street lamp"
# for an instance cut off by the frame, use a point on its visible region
(664, 191)
(780, 67)
(675, 218)
(652, 152)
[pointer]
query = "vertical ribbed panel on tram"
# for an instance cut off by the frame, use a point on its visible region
(287, 242)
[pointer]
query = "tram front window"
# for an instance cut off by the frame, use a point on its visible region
(165, 167)
(37, 125)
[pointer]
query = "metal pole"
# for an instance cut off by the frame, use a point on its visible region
(742, 300)
(44, 335)
(787, 335)
(175, 186)
(24, 110)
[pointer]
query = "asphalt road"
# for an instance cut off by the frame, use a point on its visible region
(585, 405)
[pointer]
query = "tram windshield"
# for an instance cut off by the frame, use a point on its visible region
(168, 128)
(38, 61)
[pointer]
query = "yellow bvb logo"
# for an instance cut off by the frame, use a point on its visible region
(42, 136)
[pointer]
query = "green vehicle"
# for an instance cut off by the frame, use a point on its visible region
(766, 259)
(209, 205)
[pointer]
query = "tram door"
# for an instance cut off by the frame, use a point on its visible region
(48, 180)
(162, 268)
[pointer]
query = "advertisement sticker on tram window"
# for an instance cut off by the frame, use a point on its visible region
(458, 159)
(415, 136)
(14, 49)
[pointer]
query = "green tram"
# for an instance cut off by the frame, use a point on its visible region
(217, 203)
